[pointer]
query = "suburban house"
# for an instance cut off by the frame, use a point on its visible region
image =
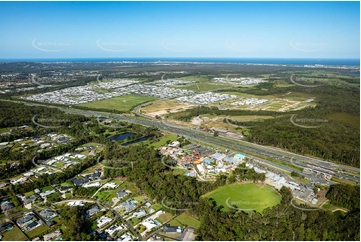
(93, 176)
(167, 229)
(129, 205)
(113, 229)
(76, 204)
(29, 217)
(103, 221)
(65, 189)
(30, 199)
(79, 182)
(92, 211)
(6, 226)
(94, 184)
(47, 193)
(139, 214)
(125, 237)
(47, 214)
(53, 235)
(6, 205)
(32, 225)
(122, 193)
(111, 185)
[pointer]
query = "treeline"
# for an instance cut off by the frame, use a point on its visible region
(344, 195)
(77, 226)
(243, 173)
(17, 114)
(331, 140)
(281, 222)
(330, 98)
(199, 110)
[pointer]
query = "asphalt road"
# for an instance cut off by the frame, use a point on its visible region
(338, 171)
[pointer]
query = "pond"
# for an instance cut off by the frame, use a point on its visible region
(137, 140)
(121, 136)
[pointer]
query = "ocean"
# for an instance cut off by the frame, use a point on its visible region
(260, 61)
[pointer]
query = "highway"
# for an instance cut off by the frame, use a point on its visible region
(339, 171)
(342, 172)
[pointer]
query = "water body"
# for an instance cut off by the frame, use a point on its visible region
(275, 61)
(121, 136)
(137, 140)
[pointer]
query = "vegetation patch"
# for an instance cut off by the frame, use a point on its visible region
(245, 197)
(122, 103)
(185, 220)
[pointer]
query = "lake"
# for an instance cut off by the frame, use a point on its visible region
(121, 136)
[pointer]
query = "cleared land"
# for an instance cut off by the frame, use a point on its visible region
(163, 140)
(185, 220)
(122, 103)
(281, 103)
(245, 197)
(163, 107)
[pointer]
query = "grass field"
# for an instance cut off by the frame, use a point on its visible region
(140, 199)
(156, 206)
(178, 171)
(39, 230)
(2, 130)
(165, 217)
(122, 103)
(14, 235)
(162, 141)
(185, 220)
(245, 197)
(106, 195)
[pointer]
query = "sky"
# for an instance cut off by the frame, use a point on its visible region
(180, 29)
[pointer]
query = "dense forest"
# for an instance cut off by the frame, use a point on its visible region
(344, 195)
(333, 139)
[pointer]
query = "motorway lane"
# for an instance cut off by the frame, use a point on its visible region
(242, 146)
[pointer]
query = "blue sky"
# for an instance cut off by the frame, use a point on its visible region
(180, 29)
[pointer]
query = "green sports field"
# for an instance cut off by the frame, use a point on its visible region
(123, 103)
(245, 197)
